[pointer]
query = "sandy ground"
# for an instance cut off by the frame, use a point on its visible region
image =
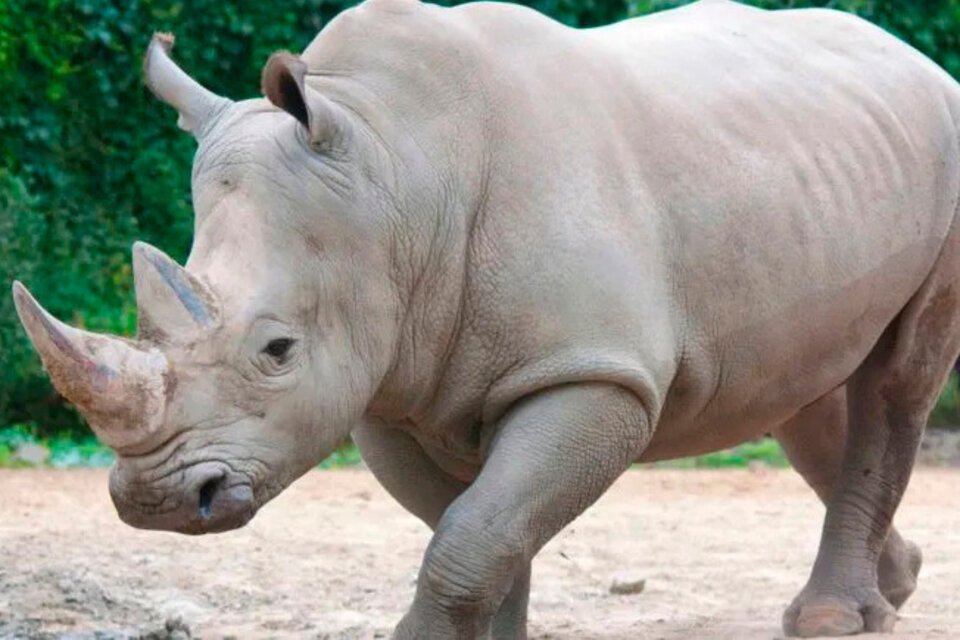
(334, 557)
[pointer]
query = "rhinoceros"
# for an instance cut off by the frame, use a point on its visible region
(514, 258)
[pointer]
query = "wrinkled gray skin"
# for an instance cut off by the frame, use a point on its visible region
(515, 258)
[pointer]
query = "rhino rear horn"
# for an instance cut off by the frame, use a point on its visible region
(118, 387)
(283, 82)
(173, 304)
(198, 107)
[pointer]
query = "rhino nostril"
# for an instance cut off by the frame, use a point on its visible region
(207, 492)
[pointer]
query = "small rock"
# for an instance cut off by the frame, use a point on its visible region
(627, 584)
(32, 454)
(758, 466)
(173, 629)
(188, 608)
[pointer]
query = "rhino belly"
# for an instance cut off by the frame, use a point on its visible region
(751, 372)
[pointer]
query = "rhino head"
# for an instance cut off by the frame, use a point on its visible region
(253, 361)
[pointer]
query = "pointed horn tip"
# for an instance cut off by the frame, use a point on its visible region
(142, 248)
(165, 39)
(24, 301)
(145, 253)
(36, 320)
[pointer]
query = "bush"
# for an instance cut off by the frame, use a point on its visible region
(89, 162)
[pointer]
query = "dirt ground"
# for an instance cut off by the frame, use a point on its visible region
(334, 557)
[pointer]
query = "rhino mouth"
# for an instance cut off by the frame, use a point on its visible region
(215, 500)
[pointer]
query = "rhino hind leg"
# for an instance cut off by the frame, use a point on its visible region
(889, 398)
(814, 441)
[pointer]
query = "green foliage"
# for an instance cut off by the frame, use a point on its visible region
(89, 161)
(947, 411)
(766, 450)
(346, 455)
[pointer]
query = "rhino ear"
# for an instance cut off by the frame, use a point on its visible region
(173, 305)
(283, 82)
(197, 106)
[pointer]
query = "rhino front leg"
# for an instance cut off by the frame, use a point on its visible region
(888, 400)
(405, 470)
(814, 441)
(552, 456)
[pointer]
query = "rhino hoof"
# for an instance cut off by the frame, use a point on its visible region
(812, 616)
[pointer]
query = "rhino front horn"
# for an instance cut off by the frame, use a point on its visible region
(118, 387)
(173, 305)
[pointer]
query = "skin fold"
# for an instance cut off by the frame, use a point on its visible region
(513, 258)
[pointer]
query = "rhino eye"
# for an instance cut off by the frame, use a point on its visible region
(278, 348)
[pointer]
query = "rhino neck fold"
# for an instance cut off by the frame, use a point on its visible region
(433, 215)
